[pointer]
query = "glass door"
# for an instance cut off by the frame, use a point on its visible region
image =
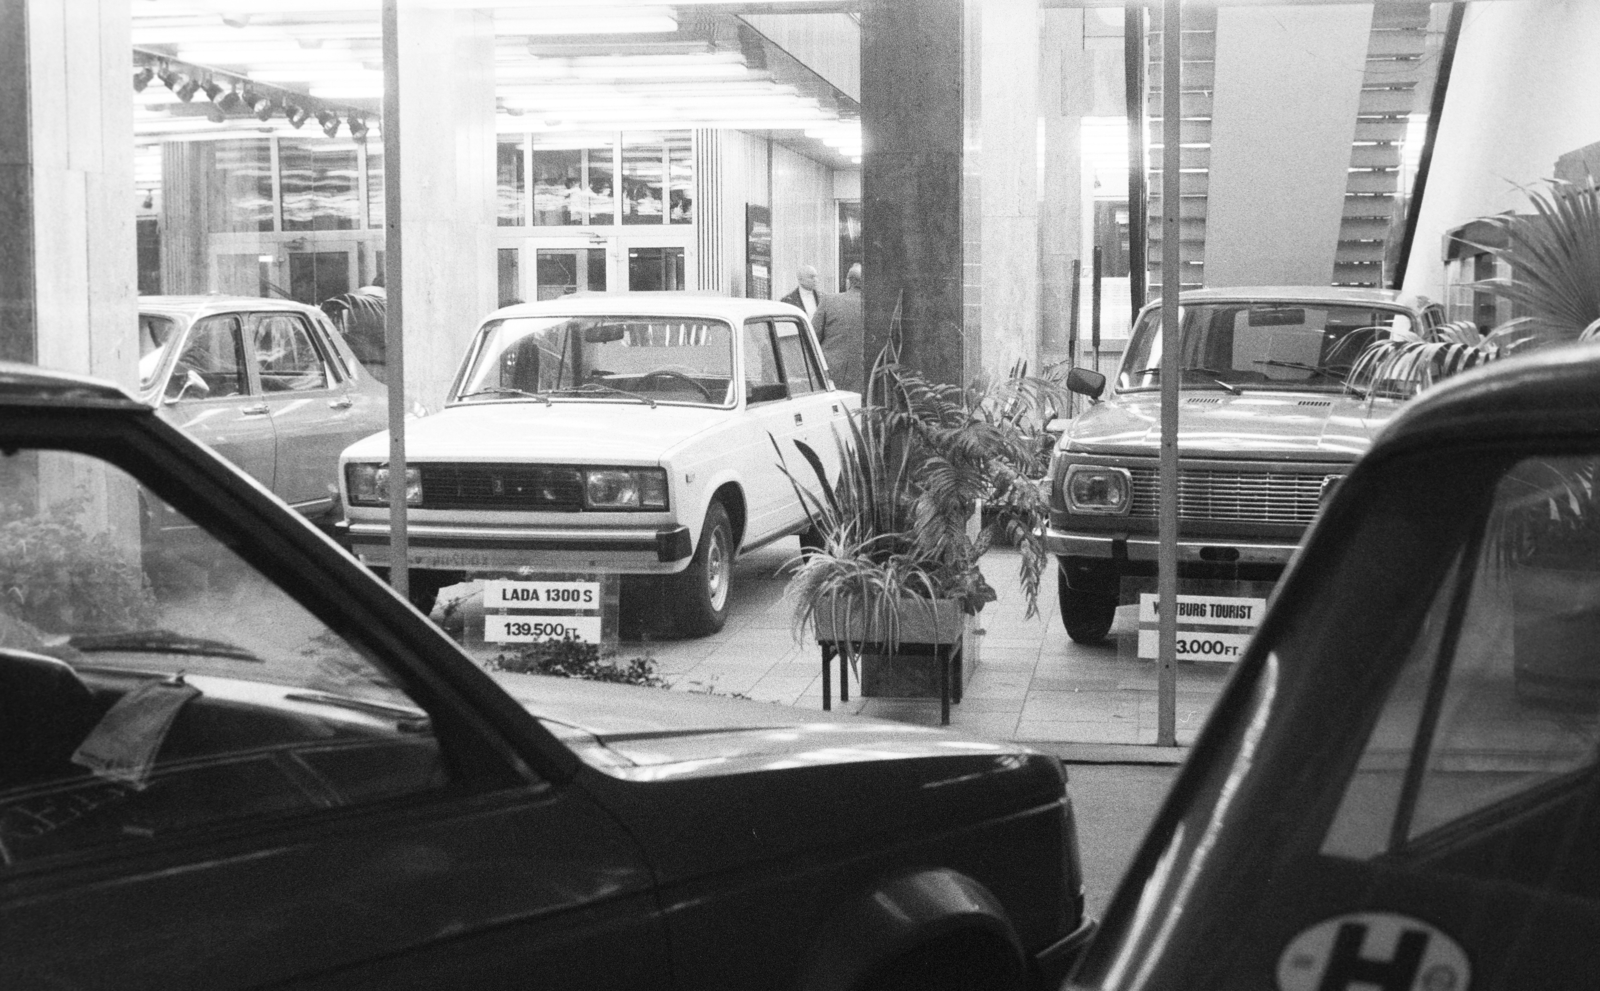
(560, 271)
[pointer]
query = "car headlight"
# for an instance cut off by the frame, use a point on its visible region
(625, 488)
(369, 485)
(1098, 489)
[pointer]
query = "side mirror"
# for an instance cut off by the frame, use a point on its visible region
(1086, 383)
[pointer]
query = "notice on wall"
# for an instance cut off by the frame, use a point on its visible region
(534, 611)
(1210, 627)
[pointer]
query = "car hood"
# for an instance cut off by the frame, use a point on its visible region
(652, 734)
(1288, 425)
(571, 432)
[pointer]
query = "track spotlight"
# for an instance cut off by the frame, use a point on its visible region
(259, 105)
(186, 89)
(358, 127)
(215, 115)
(232, 101)
(329, 121)
(170, 77)
(295, 114)
(212, 89)
(142, 78)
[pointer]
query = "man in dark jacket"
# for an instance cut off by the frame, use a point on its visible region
(841, 331)
(805, 295)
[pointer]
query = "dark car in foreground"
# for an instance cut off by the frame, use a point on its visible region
(1400, 787)
(239, 760)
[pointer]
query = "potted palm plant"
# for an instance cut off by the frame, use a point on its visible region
(891, 568)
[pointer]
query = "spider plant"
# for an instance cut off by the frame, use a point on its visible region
(916, 462)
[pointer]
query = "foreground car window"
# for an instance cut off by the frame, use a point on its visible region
(1492, 723)
(660, 359)
(152, 686)
(1276, 345)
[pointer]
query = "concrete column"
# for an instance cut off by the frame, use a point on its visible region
(1010, 222)
(1064, 92)
(911, 95)
(448, 188)
(67, 250)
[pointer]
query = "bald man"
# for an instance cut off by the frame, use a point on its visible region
(805, 294)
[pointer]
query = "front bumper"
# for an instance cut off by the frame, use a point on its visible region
(1144, 547)
(636, 550)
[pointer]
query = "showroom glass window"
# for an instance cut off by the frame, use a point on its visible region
(320, 185)
(635, 179)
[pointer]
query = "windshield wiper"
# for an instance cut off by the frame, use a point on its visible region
(506, 390)
(1212, 372)
(597, 387)
(160, 642)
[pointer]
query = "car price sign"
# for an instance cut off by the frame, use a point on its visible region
(531, 612)
(1199, 617)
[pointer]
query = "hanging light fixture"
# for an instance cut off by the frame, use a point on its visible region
(295, 114)
(233, 100)
(142, 78)
(329, 121)
(259, 105)
(170, 77)
(186, 90)
(212, 89)
(215, 115)
(358, 127)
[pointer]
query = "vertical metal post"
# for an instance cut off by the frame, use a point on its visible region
(1134, 22)
(394, 323)
(1171, 284)
(1094, 307)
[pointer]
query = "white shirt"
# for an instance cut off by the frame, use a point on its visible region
(808, 300)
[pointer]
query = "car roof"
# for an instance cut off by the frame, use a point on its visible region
(665, 304)
(30, 385)
(1305, 294)
(1544, 393)
(194, 306)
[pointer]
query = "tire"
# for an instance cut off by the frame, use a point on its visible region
(700, 593)
(1086, 615)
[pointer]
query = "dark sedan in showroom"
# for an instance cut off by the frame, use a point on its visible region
(239, 760)
(1400, 787)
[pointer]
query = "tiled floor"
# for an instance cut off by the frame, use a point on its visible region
(1031, 682)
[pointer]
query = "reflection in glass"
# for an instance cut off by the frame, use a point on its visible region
(320, 185)
(240, 183)
(655, 269)
(642, 176)
(599, 205)
(557, 176)
(680, 177)
(510, 273)
(375, 208)
(510, 182)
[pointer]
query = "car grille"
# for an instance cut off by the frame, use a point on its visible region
(1244, 496)
(474, 486)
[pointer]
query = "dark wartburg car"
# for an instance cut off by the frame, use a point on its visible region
(238, 760)
(1267, 426)
(1400, 786)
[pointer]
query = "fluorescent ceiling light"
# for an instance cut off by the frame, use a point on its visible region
(572, 19)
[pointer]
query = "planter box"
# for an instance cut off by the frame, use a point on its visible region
(925, 636)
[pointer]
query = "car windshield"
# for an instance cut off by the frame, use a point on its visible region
(156, 336)
(610, 358)
(1261, 345)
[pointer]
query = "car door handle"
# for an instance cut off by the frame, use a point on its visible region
(343, 402)
(798, 419)
(260, 409)
(835, 409)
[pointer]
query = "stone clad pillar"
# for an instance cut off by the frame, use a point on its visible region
(1010, 220)
(448, 188)
(911, 96)
(67, 249)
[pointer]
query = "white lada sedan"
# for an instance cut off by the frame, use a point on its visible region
(627, 432)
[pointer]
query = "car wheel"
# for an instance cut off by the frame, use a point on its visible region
(702, 588)
(1086, 615)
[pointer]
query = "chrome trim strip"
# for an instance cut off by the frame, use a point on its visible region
(370, 531)
(1144, 548)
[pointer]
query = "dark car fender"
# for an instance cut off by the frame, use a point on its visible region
(904, 912)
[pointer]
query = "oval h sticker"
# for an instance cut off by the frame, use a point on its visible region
(1373, 951)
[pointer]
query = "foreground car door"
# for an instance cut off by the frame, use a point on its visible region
(209, 782)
